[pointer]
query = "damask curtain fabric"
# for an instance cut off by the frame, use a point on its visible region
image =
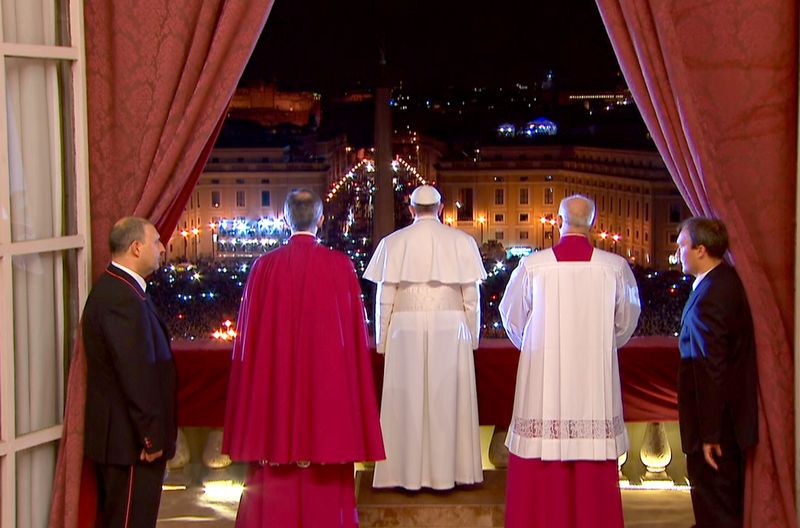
(716, 84)
(166, 224)
(160, 75)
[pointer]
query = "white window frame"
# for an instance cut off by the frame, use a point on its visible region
(10, 443)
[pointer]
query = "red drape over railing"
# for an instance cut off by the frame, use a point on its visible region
(160, 74)
(648, 368)
(716, 84)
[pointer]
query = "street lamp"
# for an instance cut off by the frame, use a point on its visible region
(616, 238)
(552, 221)
(481, 221)
(213, 226)
(603, 236)
(185, 235)
(195, 232)
(543, 221)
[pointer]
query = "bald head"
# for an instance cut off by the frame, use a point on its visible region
(576, 213)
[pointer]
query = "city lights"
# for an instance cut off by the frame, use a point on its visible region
(350, 180)
(208, 308)
(226, 332)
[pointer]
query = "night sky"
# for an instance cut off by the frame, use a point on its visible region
(328, 45)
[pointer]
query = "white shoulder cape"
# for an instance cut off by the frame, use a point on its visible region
(426, 251)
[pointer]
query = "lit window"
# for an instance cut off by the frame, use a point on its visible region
(548, 195)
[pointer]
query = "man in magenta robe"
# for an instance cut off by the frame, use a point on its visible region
(301, 400)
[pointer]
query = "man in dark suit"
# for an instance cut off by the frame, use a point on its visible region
(717, 380)
(130, 421)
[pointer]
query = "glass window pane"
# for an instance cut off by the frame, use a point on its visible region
(464, 205)
(43, 22)
(45, 303)
(499, 197)
(35, 470)
(41, 149)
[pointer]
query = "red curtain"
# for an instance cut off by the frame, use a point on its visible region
(716, 83)
(160, 74)
(166, 224)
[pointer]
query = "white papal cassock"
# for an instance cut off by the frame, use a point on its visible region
(568, 404)
(428, 323)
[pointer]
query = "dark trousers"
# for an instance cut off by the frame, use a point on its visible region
(718, 496)
(128, 496)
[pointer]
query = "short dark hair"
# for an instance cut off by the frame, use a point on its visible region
(707, 232)
(426, 209)
(125, 231)
(303, 209)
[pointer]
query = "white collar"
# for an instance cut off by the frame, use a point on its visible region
(309, 233)
(701, 276)
(138, 278)
(426, 217)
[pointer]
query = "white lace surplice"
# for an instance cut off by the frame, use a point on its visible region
(568, 319)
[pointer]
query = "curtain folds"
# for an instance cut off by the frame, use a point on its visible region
(160, 74)
(716, 84)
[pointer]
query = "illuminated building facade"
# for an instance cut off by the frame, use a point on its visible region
(238, 201)
(267, 105)
(511, 194)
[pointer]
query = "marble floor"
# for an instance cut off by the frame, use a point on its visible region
(477, 507)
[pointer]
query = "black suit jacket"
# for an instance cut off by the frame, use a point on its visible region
(131, 380)
(717, 377)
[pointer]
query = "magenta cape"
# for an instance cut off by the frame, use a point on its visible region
(301, 381)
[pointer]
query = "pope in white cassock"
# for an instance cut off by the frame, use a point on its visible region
(568, 309)
(427, 319)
